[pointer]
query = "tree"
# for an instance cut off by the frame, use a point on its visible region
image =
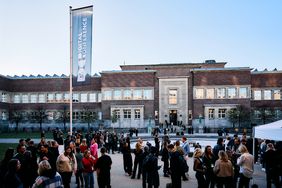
(88, 116)
(64, 117)
(239, 115)
(16, 117)
(39, 116)
(265, 114)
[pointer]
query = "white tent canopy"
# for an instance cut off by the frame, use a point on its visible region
(271, 131)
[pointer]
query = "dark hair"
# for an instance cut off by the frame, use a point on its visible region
(219, 140)
(103, 150)
(12, 165)
(77, 149)
(170, 146)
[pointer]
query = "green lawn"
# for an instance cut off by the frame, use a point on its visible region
(25, 135)
(4, 147)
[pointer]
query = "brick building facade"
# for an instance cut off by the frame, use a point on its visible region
(142, 96)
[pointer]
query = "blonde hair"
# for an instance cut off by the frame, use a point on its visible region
(243, 149)
(222, 155)
(198, 153)
(43, 166)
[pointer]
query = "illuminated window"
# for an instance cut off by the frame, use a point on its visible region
(75, 97)
(50, 97)
(59, 97)
(210, 93)
(172, 96)
(276, 94)
(199, 93)
(4, 97)
(126, 113)
(66, 97)
(257, 94)
(137, 94)
(4, 115)
(117, 94)
(83, 97)
(92, 97)
(147, 94)
(231, 93)
(243, 92)
(267, 94)
(99, 97)
(221, 93)
(127, 94)
(41, 98)
(107, 95)
(17, 98)
(33, 98)
(137, 113)
(24, 98)
(211, 113)
(221, 113)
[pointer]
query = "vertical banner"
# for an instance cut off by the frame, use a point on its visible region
(81, 44)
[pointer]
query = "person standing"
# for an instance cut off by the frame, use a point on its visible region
(199, 168)
(223, 170)
(11, 179)
(103, 169)
(88, 162)
(209, 161)
(127, 158)
(138, 159)
(78, 175)
(66, 165)
(165, 158)
(47, 177)
(246, 164)
(94, 148)
(175, 166)
(151, 167)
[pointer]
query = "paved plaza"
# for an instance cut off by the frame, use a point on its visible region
(120, 180)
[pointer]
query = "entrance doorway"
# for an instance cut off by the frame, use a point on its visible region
(173, 117)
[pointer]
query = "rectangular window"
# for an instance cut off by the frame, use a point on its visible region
(4, 115)
(92, 97)
(17, 98)
(172, 96)
(243, 92)
(25, 99)
(276, 94)
(66, 97)
(147, 94)
(257, 114)
(50, 116)
(33, 98)
(75, 115)
(99, 97)
(75, 97)
(137, 113)
(41, 98)
(210, 93)
(59, 97)
(257, 94)
(221, 93)
(107, 95)
(127, 94)
(221, 113)
(267, 94)
(199, 93)
(117, 113)
(211, 113)
(4, 97)
(137, 94)
(83, 97)
(50, 97)
(127, 114)
(231, 93)
(117, 94)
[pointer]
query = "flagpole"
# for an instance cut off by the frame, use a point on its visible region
(70, 97)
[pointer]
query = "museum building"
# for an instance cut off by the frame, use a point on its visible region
(143, 96)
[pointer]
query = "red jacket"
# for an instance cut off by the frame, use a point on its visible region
(88, 164)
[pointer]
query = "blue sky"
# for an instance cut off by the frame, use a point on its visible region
(34, 34)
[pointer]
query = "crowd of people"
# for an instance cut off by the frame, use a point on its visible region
(230, 163)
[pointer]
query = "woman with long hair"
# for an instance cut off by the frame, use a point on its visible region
(199, 168)
(66, 165)
(88, 162)
(209, 161)
(223, 170)
(11, 179)
(246, 164)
